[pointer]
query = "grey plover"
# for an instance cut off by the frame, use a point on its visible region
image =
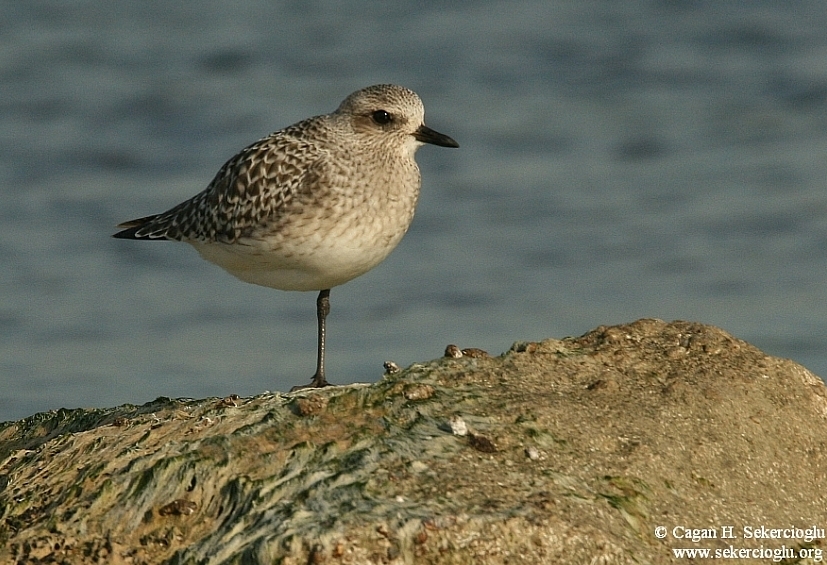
(313, 205)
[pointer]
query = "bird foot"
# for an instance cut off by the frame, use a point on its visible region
(318, 381)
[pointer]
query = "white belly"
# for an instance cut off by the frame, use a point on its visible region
(311, 263)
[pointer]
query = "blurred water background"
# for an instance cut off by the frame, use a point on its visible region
(618, 160)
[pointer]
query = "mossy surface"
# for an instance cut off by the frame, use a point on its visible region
(575, 451)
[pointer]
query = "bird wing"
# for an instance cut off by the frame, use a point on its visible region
(252, 187)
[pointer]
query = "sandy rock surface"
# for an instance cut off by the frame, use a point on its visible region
(564, 451)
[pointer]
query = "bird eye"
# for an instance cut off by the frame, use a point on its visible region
(381, 117)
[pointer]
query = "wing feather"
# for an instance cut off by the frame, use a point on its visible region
(250, 189)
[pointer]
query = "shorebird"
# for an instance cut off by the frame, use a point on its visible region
(313, 205)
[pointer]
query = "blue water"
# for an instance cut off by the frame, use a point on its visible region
(618, 160)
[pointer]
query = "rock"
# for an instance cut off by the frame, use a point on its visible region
(584, 448)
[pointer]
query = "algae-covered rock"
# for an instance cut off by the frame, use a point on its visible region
(564, 451)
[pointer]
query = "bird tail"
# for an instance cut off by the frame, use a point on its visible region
(133, 229)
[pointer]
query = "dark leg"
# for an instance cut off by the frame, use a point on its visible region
(322, 310)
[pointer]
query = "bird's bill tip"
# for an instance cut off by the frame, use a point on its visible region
(427, 135)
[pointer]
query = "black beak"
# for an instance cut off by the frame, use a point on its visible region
(427, 135)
